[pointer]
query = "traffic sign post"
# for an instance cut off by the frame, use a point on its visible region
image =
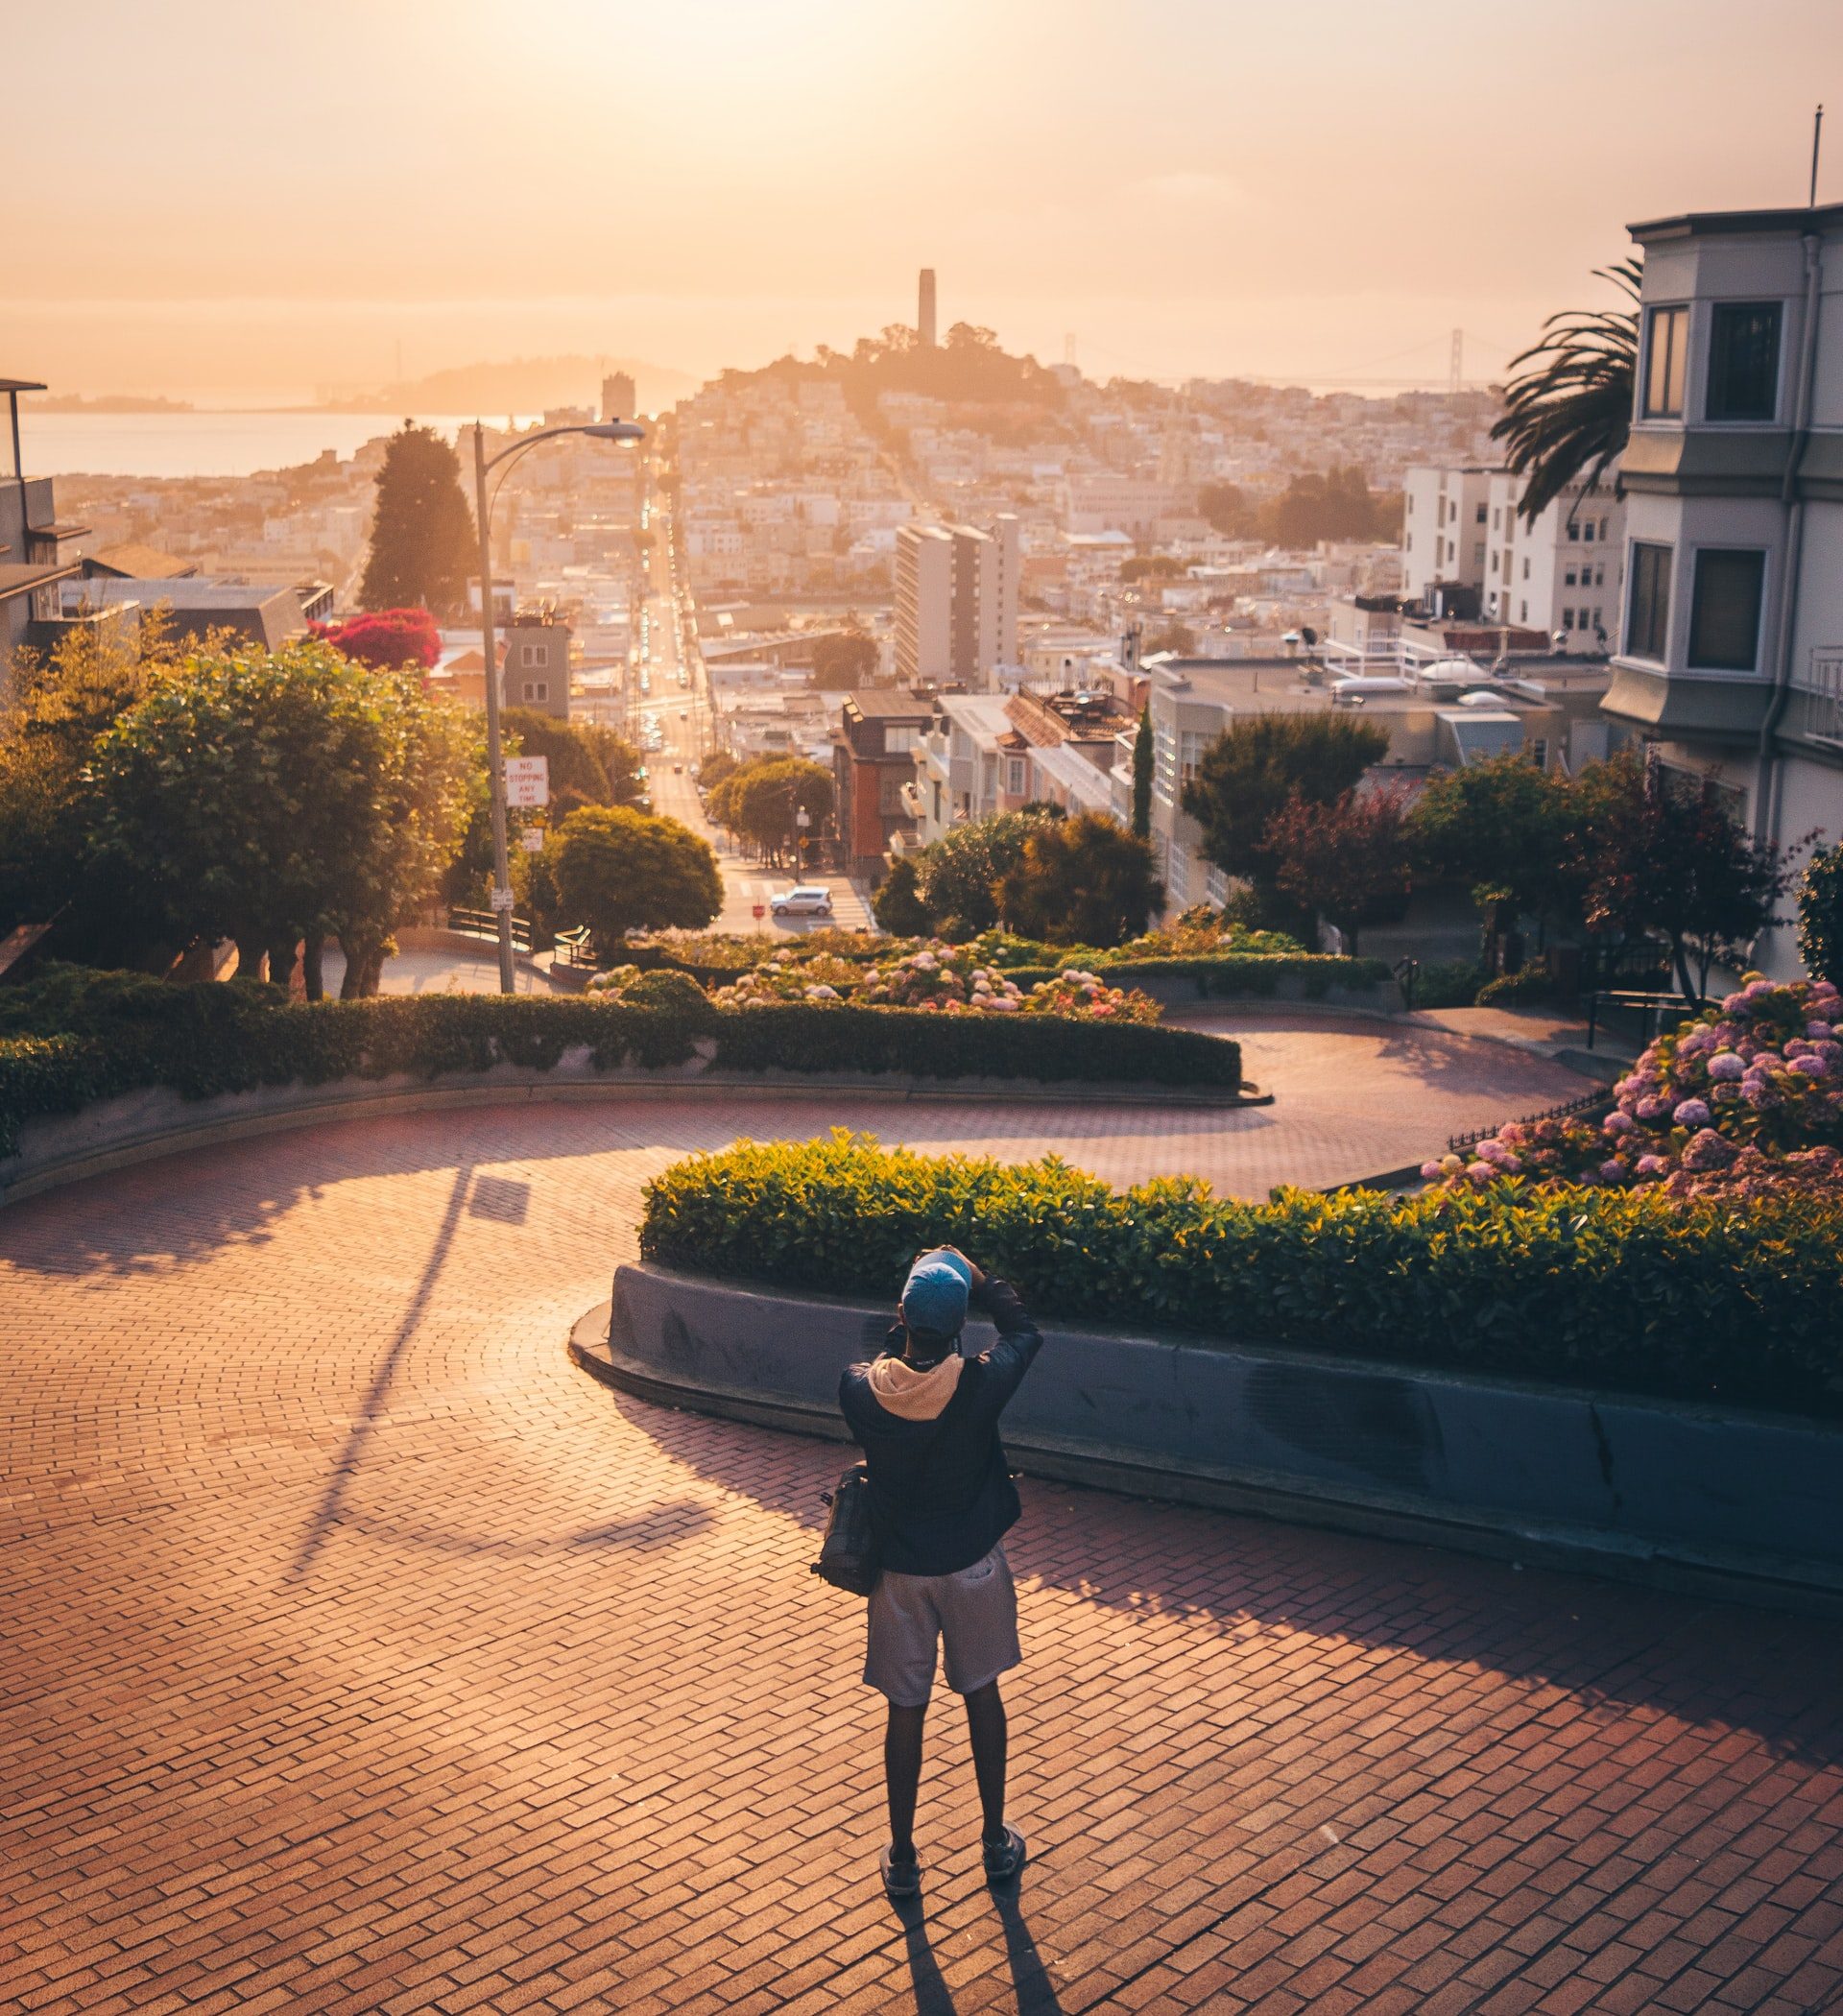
(527, 780)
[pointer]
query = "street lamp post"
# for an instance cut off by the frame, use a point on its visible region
(599, 430)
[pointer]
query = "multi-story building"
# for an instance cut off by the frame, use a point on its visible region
(34, 549)
(956, 601)
(1730, 658)
(1438, 712)
(536, 661)
(961, 767)
(1446, 522)
(618, 396)
(873, 759)
(1562, 572)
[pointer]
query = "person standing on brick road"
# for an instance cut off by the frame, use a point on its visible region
(942, 1500)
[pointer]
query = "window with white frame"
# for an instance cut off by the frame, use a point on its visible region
(1724, 609)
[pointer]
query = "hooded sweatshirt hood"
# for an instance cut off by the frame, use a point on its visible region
(913, 1395)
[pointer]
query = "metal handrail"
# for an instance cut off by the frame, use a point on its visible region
(484, 924)
(1653, 1007)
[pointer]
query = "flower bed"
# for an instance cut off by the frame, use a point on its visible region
(63, 1046)
(1600, 1288)
(1745, 1099)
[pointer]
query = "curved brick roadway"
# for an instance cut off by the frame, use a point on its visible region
(361, 1654)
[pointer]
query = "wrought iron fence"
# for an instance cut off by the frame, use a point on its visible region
(1569, 1109)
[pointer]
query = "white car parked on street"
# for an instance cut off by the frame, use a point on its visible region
(806, 900)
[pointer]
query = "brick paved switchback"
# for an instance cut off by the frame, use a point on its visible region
(360, 1654)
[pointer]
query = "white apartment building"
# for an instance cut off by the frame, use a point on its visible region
(1562, 574)
(1445, 526)
(1730, 658)
(1129, 504)
(962, 769)
(956, 601)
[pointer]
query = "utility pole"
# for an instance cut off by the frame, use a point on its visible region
(501, 897)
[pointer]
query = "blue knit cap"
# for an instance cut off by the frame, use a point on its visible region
(934, 1297)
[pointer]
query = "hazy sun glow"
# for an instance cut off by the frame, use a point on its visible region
(217, 199)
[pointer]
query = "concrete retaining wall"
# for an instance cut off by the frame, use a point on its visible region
(1669, 1491)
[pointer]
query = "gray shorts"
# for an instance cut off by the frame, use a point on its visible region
(973, 1615)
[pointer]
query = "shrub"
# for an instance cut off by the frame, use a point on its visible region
(1448, 983)
(1528, 983)
(1741, 1100)
(1601, 1289)
(123, 1032)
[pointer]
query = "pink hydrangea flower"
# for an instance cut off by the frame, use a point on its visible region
(1613, 1171)
(1811, 1066)
(1652, 1166)
(1618, 1124)
(1431, 1172)
(1725, 1067)
(1692, 1112)
(1706, 1150)
(1653, 1108)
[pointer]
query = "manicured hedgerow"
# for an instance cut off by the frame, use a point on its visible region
(72, 1041)
(1604, 1289)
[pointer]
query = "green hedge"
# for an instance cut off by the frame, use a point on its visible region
(1602, 1288)
(1043, 1048)
(61, 1047)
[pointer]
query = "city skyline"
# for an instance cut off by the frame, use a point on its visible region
(1185, 191)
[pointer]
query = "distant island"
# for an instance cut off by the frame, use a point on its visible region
(525, 385)
(109, 402)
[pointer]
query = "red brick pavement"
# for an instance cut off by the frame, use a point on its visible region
(362, 1655)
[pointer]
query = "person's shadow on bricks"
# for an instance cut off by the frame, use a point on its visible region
(931, 1997)
(1029, 1978)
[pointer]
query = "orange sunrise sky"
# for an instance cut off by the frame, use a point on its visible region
(223, 200)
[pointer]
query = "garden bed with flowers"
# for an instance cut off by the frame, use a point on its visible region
(1742, 1102)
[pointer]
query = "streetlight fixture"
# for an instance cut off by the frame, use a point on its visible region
(596, 430)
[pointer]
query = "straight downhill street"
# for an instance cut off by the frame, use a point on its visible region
(670, 690)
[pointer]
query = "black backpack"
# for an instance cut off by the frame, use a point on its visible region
(848, 1555)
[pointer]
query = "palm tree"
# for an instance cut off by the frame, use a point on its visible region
(1569, 409)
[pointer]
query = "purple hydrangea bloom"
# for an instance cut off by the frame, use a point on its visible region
(1480, 1171)
(1758, 990)
(1653, 1108)
(1692, 1112)
(1613, 1171)
(1652, 1164)
(1820, 1032)
(1618, 1124)
(1726, 1066)
(1431, 1171)
(1696, 1042)
(1735, 1004)
(1811, 1066)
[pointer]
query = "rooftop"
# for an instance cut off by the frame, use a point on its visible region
(889, 703)
(1717, 224)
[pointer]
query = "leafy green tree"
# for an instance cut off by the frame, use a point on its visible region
(1657, 857)
(843, 663)
(617, 870)
(1820, 916)
(897, 905)
(1144, 762)
(1227, 509)
(1334, 504)
(1176, 638)
(275, 797)
(1250, 771)
(423, 544)
(1500, 824)
(760, 799)
(1567, 411)
(959, 871)
(1084, 881)
(1347, 861)
(715, 767)
(587, 760)
(59, 703)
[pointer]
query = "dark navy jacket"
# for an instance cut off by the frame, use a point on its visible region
(941, 1491)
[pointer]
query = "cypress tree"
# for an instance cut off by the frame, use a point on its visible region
(424, 545)
(1142, 762)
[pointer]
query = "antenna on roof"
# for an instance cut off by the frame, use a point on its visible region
(1817, 135)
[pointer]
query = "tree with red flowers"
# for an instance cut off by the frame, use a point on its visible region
(1347, 860)
(386, 638)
